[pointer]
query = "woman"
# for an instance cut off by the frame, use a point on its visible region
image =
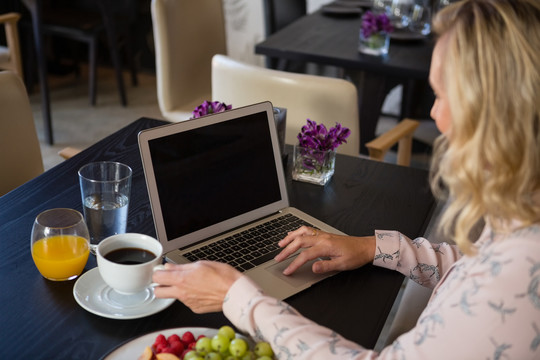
(486, 298)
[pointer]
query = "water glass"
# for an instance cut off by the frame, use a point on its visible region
(59, 244)
(399, 12)
(381, 6)
(420, 18)
(105, 191)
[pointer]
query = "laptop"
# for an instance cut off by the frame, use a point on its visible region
(217, 190)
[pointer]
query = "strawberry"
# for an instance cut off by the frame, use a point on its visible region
(159, 348)
(177, 347)
(187, 338)
(160, 339)
(173, 339)
(167, 349)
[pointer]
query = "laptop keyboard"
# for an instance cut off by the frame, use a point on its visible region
(251, 247)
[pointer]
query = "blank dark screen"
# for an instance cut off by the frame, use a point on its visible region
(214, 173)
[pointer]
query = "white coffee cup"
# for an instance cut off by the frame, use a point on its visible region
(133, 277)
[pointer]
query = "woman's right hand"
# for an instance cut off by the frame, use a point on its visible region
(343, 252)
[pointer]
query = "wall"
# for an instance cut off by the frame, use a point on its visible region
(244, 26)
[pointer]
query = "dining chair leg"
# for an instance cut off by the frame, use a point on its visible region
(92, 76)
(35, 8)
(110, 29)
(131, 58)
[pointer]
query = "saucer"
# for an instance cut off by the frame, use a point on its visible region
(93, 295)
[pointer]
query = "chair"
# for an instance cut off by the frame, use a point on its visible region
(322, 99)
(186, 35)
(20, 153)
(277, 15)
(10, 55)
(87, 24)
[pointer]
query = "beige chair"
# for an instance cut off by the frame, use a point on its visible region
(322, 99)
(186, 35)
(20, 154)
(10, 55)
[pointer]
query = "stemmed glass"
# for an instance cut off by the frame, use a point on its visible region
(60, 244)
(420, 17)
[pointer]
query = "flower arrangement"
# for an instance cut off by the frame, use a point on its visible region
(374, 39)
(314, 156)
(316, 137)
(209, 107)
(372, 24)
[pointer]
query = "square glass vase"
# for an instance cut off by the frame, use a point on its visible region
(313, 166)
(377, 44)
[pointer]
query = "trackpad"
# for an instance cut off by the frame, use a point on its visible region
(302, 276)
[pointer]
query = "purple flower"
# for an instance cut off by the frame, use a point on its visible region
(372, 23)
(208, 107)
(317, 137)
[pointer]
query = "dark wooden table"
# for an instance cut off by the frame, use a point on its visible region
(40, 318)
(333, 40)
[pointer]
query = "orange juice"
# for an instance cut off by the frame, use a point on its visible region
(60, 257)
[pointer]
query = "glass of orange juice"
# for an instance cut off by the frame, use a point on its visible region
(60, 244)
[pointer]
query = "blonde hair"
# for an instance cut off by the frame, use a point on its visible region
(489, 163)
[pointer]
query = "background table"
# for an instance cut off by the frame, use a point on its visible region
(333, 40)
(41, 318)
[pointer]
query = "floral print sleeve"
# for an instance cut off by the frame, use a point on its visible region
(418, 259)
(485, 306)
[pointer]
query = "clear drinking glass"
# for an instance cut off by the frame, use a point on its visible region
(420, 18)
(60, 244)
(105, 192)
(381, 6)
(399, 13)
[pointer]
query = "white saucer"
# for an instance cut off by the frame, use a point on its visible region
(93, 295)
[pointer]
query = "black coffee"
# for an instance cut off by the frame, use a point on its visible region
(130, 256)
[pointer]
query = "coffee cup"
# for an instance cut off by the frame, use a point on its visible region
(126, 262)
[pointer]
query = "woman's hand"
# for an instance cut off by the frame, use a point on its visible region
(345, 252)
(201, 285)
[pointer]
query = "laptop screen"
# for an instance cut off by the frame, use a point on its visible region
(213, 173)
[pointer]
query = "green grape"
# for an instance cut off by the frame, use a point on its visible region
(192, 354)
(263, 349)
(227, 331)
(238, 347)
(230, 357)
(220, 343)
(204, 345)
(265, 357)
(213, 356)
(249, 355)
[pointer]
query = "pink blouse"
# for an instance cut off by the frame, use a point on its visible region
(485, 306)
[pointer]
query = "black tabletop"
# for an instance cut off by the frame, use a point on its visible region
(333, 40)
(41, 317)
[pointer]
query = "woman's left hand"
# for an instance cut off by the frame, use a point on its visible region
(201, 285)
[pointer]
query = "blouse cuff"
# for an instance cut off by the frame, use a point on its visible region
(237, 302)
(387, 249)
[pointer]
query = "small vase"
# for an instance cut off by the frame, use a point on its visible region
(376, 44)
(313, 166)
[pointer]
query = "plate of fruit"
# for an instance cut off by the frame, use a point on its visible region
(192, 343)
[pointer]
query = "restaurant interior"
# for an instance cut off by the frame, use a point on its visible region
(93, 91)
(68, 75)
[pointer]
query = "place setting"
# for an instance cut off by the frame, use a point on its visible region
(62, 239)
(121, 285)
(346, 7)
